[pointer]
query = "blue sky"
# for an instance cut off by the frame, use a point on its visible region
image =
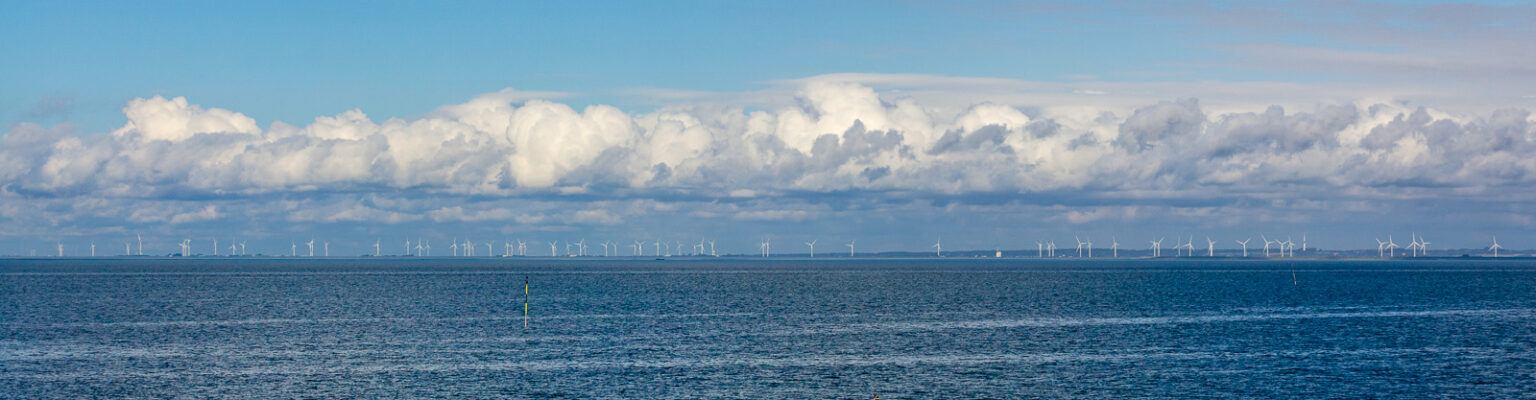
(618, 119)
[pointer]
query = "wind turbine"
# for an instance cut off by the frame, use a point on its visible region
(376, 246)
(1190, 245)
(850, 247)
(813, 247)
(762, 246)
(1090, 247)
(61, 249)
(1495, 246)
(1114, 246)
(552, 249)
(242, 247)
(1423, 246)
(1381, 248)
(232, 248)
(637, 248)
(1244, 242)
(1050, 248)
(141, 242)
(127, 248)
(418, 248)
(712, 249)
(605, 248)
(1303, 243)
(469, 248)
(938, 247)
(1289, 248)
(311, 244)
(455, 246)
(1079, 246)
(581, 246)
(1413, 244)
(1391, 247)
(657, 246)
(522, 247)
(1156, 246)
(1039, 249)
(293, 249)
(1266, 245)
(407, 246)
(490, 249)
(93, 248)
(1210, 247)
(327, 249)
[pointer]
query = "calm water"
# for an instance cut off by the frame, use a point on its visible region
(767, 329)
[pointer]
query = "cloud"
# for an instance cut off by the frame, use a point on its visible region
(834, 138)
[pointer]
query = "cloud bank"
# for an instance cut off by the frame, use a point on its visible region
(829, 137)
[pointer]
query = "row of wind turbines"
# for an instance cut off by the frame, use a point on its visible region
(1417, 246)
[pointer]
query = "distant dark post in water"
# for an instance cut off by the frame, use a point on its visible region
(525, 302)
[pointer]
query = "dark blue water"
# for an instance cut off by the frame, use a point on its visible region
(767, 329)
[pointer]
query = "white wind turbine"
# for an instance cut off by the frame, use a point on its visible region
(1210, 247)
(418, 247)
(242, 247)
(1039, 249)
(1190, 245)
(1089, 242)
(658, 247)
(712, 249)
(233, 247)
(311, 244)
(1266, 245)
(1290, 248)
(938, 247)
(327, 249)
(377, 247)
(1413, 244)
(1391, 247)
(61, 249)
(637, 248)
(581, 247)
(469, 248)
(1050, 248)
(1303, 243)
(1114, 245)
(93, 248)
(812, 243)
(1381, 248)
(1156, 246)
(1079, 246)
(1244, 242)
(407, 246)
(141, 242)
(605, 248)
(850, 247)
(552, 249)
(1495, 247)
(762, 247)
(293, 249)
(127, 248)
(455, 246)
(1423, 246)
(522, 247)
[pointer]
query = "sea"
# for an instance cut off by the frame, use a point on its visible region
(766, 329)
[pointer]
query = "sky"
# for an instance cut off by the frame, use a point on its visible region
(893, 124)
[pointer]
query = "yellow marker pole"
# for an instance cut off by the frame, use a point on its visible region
(525, 302)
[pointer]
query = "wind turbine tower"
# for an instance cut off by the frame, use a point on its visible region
(1114, 245)
(813, 247)
(1495, 247)
(1210, 247)
(850, 247)
(1244, 242)
(938, 247)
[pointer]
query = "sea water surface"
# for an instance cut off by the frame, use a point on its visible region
(743, 328)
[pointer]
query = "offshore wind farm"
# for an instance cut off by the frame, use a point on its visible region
(856, 199)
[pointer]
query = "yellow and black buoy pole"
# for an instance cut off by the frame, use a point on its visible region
(525, 302)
